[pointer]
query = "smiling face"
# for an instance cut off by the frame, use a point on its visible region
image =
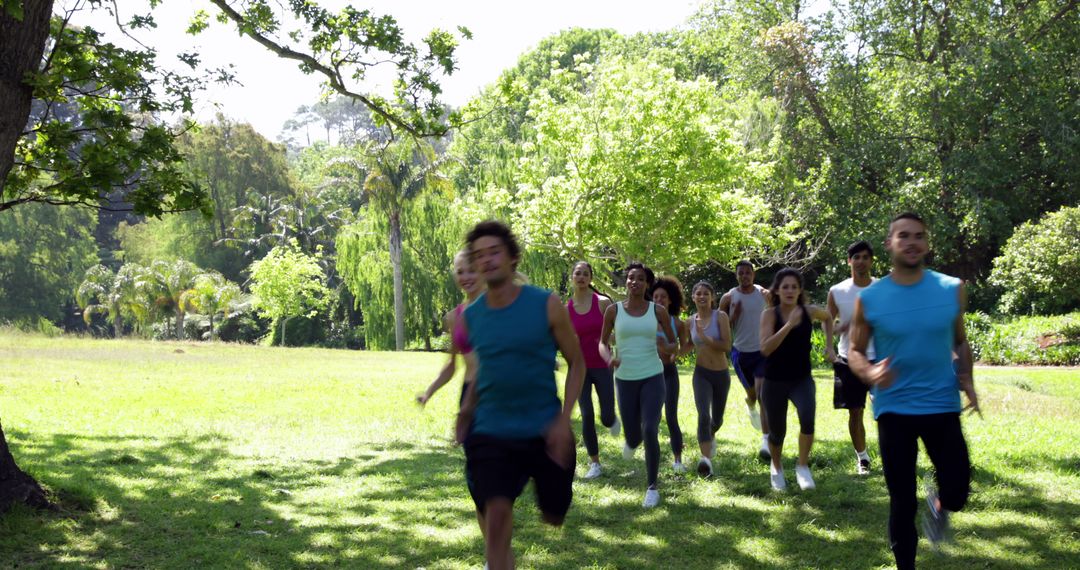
(466, 277)
(860, 264)
(637, 282)
(908, 243)
(492, 259)
(703, 298)
(581, 276)
(789, 291)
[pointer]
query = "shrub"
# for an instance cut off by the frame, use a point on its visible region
(1050, 341)
(1039, 267)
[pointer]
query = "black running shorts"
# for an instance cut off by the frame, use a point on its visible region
(849, 392)
(496, 467)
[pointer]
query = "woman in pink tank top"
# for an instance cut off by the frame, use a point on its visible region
(466, 278)
(586, 308)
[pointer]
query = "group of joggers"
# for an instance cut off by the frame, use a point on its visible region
(901, 339)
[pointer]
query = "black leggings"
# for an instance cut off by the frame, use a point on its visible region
(711, 388)
(671, 407)
(898, 437)
(774, 399)
(601, 379)
(640, 403)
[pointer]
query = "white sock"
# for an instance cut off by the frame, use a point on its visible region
(774, 470)
(863, 455)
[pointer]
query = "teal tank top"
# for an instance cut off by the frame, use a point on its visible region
(913, 324)
(635, 338)
(515, 383)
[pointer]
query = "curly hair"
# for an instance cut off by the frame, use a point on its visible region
(674, 291)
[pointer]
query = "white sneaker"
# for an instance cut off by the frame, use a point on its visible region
(803, 476)
(764, 452)
(776, 479)
(594, 471)
(652, 498)
(755, 417)
(627, 451)
(678, 467)
(615, 427)
(704, 467)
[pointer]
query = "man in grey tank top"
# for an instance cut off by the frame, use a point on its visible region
(744, 305)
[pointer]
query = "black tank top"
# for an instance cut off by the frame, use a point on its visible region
(791, 360)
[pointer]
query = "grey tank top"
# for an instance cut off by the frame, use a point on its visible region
(712, 330)
(748, 328)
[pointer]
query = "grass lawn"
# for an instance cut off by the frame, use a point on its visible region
(188, 455)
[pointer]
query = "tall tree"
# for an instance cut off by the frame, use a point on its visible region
(288, 283)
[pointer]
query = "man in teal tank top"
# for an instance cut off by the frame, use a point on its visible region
(916, 318)
(512, 423)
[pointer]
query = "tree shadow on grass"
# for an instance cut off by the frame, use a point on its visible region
(190, 502)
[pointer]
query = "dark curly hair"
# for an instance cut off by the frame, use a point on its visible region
(674, 291)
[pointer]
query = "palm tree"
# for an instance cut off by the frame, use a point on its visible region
(97, 296)
(170, 280)
(210, 295)
(398, 172)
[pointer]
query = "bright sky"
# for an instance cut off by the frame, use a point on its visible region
(273, 88)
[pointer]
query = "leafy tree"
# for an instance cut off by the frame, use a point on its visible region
(91, 131)
(343, 46)
(99, 295)
(288, 283)
(1039, 267)
(638, 166)
(44, 251)
(211, 295)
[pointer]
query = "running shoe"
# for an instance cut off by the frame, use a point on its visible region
(755, 417)
(935, 521)
(678, 467)
(627, 451)
(615, 427)
(776, 479)
(594, 471)
(764, 453)
(704, 467)
(652, 498)
(863, 467)
(803, 476)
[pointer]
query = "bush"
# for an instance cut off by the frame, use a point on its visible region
(1050, 341)
(1039, 267)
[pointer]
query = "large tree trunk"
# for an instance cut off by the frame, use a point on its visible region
(399, 292)
(16, 486)
(21, 46)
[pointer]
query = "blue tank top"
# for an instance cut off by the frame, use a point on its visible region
(661, 334)
(913, 324)
(515, 384)
(635, 339)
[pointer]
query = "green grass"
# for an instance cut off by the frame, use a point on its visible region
(188, 455)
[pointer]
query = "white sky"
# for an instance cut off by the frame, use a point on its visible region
(274, 88)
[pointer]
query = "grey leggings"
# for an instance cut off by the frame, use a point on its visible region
(710, 389)
(640, 404)
(601, 380)
(774, 398)
(671, 407)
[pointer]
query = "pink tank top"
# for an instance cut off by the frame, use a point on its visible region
(458, 336)
(588, 328)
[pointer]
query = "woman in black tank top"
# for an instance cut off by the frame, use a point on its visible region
(785, 342)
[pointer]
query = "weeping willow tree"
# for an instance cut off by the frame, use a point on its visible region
(431, 233)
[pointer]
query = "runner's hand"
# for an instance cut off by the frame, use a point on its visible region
(422, 399)
(615, 362)
(967, 385)
(880, 375)
(830, 355)
(461, 428)
(560, 442)
(796, 317)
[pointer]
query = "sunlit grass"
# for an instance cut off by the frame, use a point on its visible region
(191, 455)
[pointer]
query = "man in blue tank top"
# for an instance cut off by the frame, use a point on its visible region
(512, 423)
(916, 319)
